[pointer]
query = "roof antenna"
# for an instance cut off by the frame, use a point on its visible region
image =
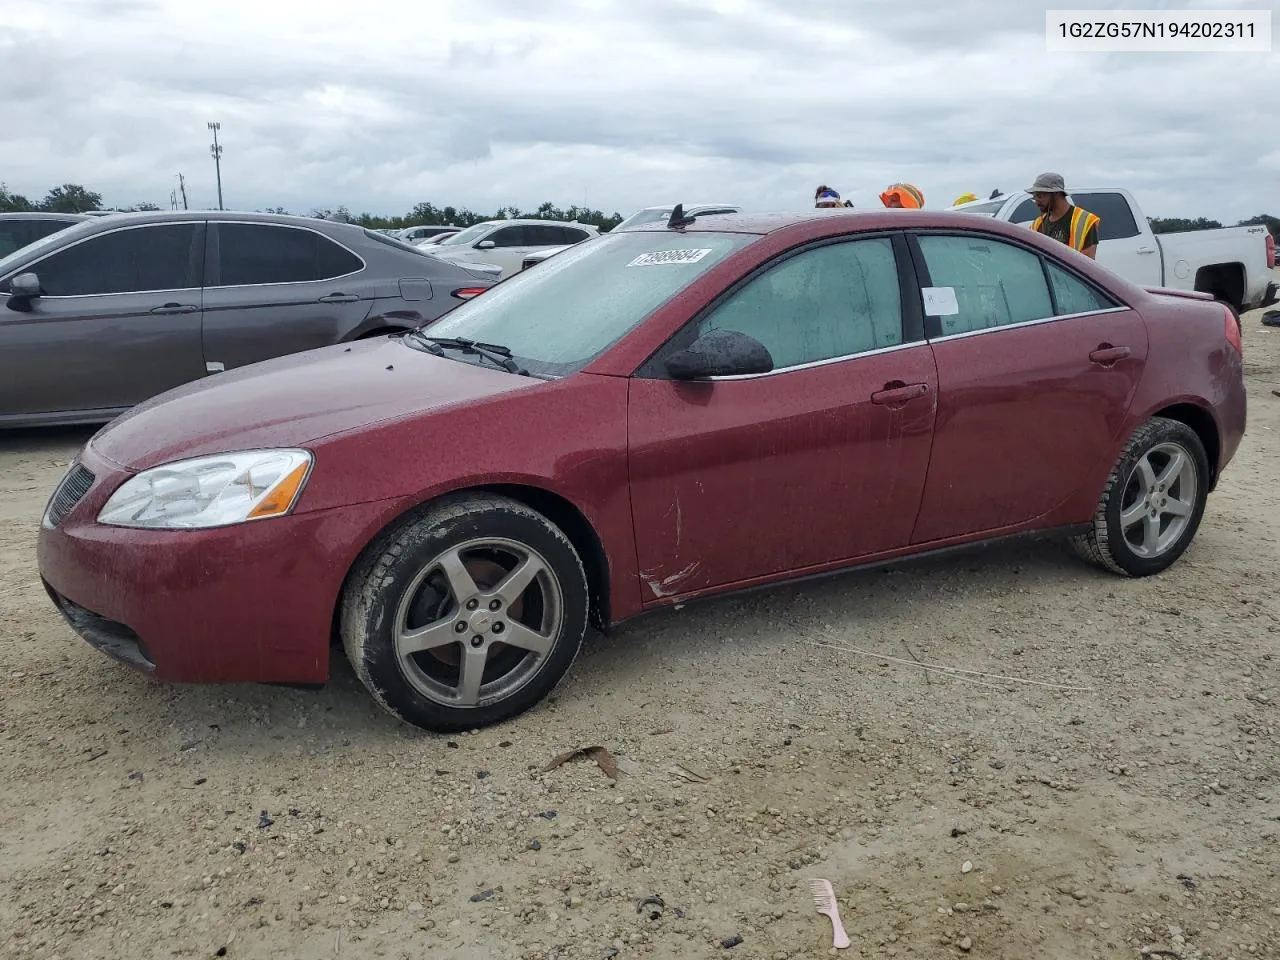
(678, 219)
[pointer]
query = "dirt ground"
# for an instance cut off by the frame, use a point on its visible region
(1092, 770)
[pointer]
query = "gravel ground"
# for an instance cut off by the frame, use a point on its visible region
(1000, 755)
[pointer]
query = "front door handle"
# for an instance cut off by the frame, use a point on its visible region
(1106, 354)
(175, 308)
(896, 393)
(339, 298)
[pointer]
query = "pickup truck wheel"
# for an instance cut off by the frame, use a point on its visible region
(1152, 502)
(466, 613)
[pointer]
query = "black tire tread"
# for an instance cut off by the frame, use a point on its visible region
(1094, 547)
(372, 574)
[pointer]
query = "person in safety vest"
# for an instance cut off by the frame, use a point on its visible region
(824, 196)
(964, 198)
(1074, 226)
(903, 195)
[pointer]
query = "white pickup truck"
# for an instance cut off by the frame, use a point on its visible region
(1232, 263)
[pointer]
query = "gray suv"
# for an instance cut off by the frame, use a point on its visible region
(114, 310)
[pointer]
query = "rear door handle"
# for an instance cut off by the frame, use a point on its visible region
(175, 308)
(896, 392)
(339, 298)
(1106, 354)
(1146, 250)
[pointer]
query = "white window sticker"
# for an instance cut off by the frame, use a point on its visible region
(940, 301)
(668, 256)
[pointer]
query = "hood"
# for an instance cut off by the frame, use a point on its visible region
(294, 400)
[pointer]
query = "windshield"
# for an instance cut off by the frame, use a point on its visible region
(982, 209)
(393, 241)
(44, 244)
(469, 235)
(651, 215)
(559, 317)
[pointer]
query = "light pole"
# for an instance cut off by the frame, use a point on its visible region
(216, 152)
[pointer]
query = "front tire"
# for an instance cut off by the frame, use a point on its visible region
(1152, 503)
(466, 613)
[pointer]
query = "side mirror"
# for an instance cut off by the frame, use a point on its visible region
(25, 285)
(720, 353)
(485, 245)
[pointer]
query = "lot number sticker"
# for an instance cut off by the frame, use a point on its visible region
(940, 301)
(668, 256)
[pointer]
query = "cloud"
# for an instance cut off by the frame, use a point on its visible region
(614, 103)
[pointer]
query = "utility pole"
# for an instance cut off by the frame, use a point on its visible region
(216, 152)
(182, 185)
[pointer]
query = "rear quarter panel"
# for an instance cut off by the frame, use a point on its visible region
(1190, 361)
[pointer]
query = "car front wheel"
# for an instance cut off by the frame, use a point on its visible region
(465, 614)
(1152, 503)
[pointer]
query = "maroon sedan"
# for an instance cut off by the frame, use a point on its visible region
(649, 417)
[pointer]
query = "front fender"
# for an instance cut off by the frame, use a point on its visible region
(566, 438)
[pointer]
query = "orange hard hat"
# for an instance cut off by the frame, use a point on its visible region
(906, 194)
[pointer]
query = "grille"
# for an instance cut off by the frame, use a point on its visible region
(70, 492)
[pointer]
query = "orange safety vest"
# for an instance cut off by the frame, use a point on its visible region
(1081, 221)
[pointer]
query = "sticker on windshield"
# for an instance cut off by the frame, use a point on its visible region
(940, 301)
(669, 256)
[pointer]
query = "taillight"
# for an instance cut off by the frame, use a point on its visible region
(1271, 250)
(1233, 331)
(466, 293)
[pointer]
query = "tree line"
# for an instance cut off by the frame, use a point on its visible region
(428, 214)
(75, 198)
(1181, 224)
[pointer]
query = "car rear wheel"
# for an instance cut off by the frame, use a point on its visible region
(1152, 503)
(465, 614)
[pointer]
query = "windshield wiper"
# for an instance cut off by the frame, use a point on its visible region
(493, 352)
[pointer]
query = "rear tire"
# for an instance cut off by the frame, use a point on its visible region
(466, 613)
(1152, 503)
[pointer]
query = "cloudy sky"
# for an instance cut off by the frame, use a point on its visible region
(617, 104)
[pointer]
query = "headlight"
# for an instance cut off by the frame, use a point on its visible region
(211, 491)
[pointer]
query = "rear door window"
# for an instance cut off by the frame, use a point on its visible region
(1073, 295)
(1113, 208)
(137, 260)
(537, 235)
(995, 283)
(260, 253)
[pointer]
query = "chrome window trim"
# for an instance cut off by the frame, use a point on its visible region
(914, 343)
(28, 268)
(811, 364)
(1027, 323)
(364, 264)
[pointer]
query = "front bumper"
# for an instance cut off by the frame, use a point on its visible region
(253, 602)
